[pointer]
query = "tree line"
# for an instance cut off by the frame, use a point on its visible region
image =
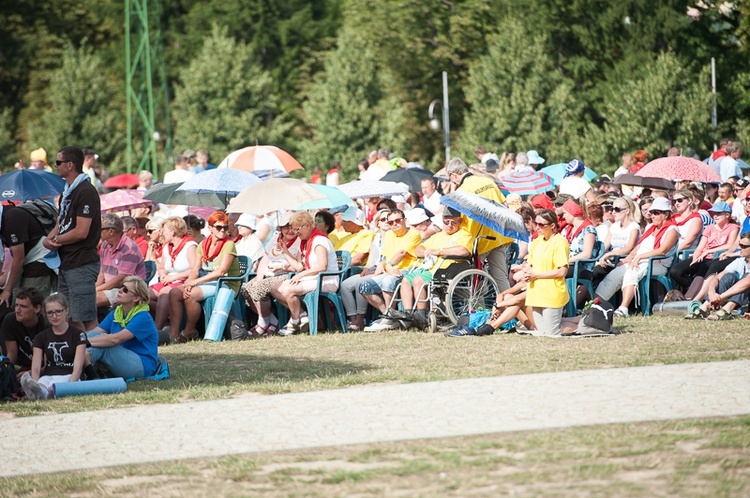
(329, 80)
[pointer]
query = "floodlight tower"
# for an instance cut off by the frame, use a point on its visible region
(146, 89)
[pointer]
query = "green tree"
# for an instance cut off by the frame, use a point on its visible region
(666, 104)
(225, 101)
(349, 108)
(518, 100)
(8, 155)
(84, 108)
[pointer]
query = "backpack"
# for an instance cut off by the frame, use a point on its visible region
(44, 212)
(597, 318)
(10, 388)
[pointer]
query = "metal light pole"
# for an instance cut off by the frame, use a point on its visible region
(435, 124)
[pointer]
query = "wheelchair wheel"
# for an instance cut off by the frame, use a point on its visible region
(468, 291)
(432, 323)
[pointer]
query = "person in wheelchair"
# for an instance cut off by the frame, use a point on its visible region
(438, 253)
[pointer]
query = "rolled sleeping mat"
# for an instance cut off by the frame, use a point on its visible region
(219, 315)
(675, 308)
(99, 386)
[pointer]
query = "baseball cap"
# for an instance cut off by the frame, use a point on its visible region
(720, 207)
(247, 220)
(52, 260)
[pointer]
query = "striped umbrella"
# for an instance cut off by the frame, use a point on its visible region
(261, 158)
(528, 182)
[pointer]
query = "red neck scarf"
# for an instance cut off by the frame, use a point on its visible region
(307, 249)
(206, 245)
(175, 251)
(692, 215)
(659, 234)
(570, 235)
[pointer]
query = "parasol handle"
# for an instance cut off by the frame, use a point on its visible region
(488, 237)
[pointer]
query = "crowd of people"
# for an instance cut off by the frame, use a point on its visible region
(93, 295)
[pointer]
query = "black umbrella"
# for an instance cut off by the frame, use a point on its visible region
(643, 181)
(410, 176)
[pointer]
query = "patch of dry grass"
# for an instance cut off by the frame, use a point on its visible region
(680, 458)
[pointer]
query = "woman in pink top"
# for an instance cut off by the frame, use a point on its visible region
(717, 237)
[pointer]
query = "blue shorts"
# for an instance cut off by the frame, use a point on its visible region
(379, 283)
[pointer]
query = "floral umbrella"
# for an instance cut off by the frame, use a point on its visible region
(124, 200)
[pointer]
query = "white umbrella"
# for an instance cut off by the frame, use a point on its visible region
(274, 194)
(369, 188)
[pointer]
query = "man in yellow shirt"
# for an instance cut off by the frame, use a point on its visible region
(454, 240)
(356, 239)
(397, 255)
(494, 251)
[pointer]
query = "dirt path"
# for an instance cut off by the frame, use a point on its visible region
(256, 423)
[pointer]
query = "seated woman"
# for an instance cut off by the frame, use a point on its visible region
(217, 257)
(581, 236)
(689, 273)
(455, 241)
(126, 342)
(249, 244)
(687, 219)
(178, 257)
(195, 227)
(317, 256)
(59, 351)
(621, 237)
(155, 241)
(657, 240)
(272, 271)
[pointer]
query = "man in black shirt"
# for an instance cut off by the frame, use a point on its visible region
(24, 235)
(19, 329)
(76, 237)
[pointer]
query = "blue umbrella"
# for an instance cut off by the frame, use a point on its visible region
(489, 213)
(27, 184)
(557, 172)
(334, 198)
(217, 185)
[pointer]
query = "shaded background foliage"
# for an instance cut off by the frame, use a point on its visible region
(331, 79)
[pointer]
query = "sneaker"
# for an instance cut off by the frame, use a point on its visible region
(33, 389)
(622, 312)
(462, 331)
(383, 324)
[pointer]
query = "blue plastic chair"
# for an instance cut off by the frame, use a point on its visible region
(644, 286)
(150, 270)
(312, 299)
(238, 304)
(572, 283)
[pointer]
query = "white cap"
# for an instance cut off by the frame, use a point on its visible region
(416, 216)
(247, 220)
(398, 199)
(283, 218)
(354, 215)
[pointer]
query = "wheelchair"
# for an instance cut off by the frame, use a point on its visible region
(455, 291)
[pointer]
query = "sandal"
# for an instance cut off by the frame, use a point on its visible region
(722, 314)
(697, 315)
(289, 329)
(187, 337)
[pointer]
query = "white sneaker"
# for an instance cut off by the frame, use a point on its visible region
(383, 324)
(622, 312)
(33, 389)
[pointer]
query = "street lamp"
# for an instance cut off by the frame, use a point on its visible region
(434, 124)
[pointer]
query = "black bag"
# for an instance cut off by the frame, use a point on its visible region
(10, 388)
(44, 212)
(597, 318)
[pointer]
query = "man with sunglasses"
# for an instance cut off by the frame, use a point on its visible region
(396, 255)
(120, 257)
(76, 237)
(494, 251)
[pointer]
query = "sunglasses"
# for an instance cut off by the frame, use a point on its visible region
(150, 231)
(59, 162)
(659, 212)
(744, 246)
(678, 200)
(396, 221)
(450, 222)
(618, 209)
(542, 225)
(125, 290)
(221, 228)
(55, 312)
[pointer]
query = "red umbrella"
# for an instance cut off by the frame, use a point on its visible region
(261, 158)
(122, 181)
(680, 168)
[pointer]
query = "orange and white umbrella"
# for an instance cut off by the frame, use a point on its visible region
(260, 158)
